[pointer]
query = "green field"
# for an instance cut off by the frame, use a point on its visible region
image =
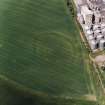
(40, 51)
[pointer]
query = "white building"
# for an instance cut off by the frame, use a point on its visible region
(93, 44)
(97, 31)
(89, 32)
(94, 4)
(80, 18)
(99, 37)
(102, 25)
(86, 27)
(96, 27)
(78, 2)
(102, 44)
(91, 16)
(90, 37)
(103, 30)
(87, 14)
(97, 15)
(104, 1)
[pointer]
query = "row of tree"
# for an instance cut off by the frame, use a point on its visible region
(70, 7)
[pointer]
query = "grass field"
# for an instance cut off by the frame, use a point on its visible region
(40, 48)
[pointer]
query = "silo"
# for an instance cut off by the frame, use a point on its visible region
(103, 1)
(99, 37)
(97, 31)
(97, 26)
(90, 37)
(78, 2)
(86, 27)
(80, 18)
(95, 35)
(87, 14)
(102, 44)
(102, 25)
(103, 30)
(89, 32)
(97, 17)
(93, 44)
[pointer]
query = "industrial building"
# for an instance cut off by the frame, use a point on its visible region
(91, 16)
